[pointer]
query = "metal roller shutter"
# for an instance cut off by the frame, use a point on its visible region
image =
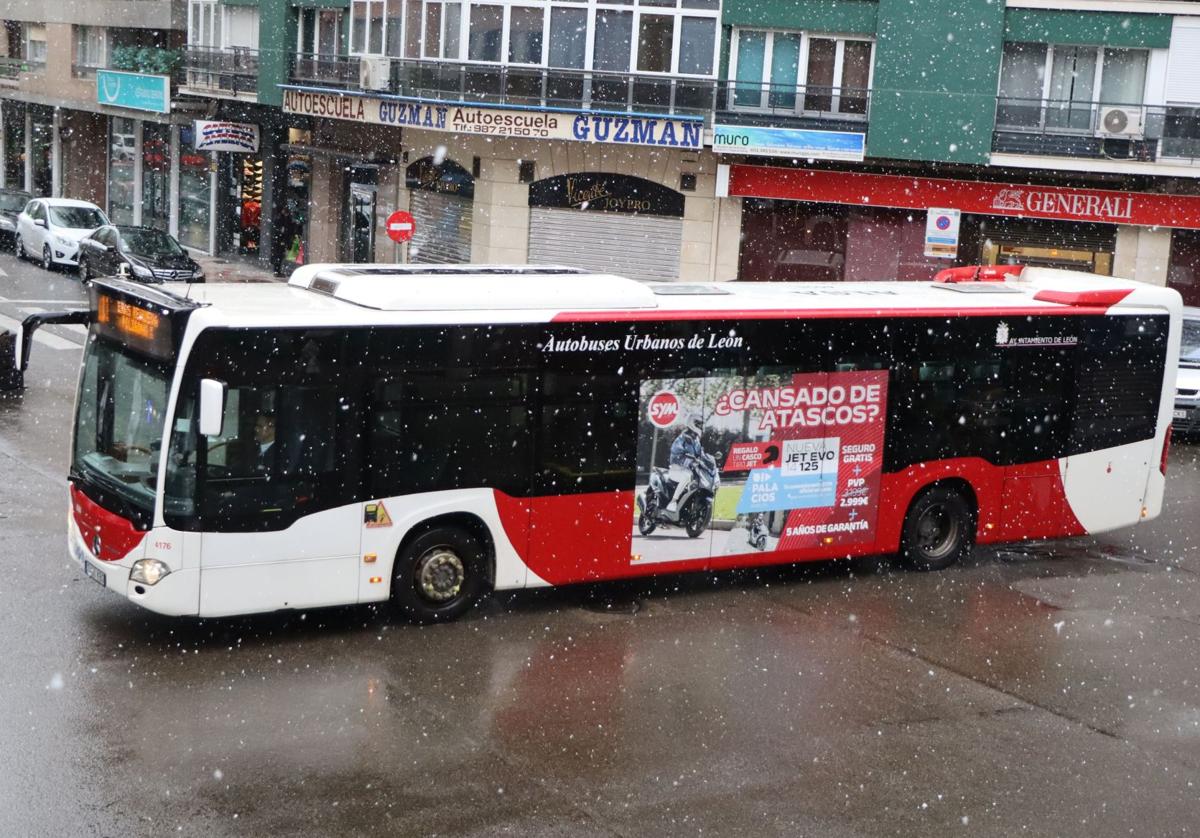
(442, 233)
(636, 246)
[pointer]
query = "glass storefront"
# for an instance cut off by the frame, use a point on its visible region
(42, 139)
(156, 175)
(293, 220)
(122, 145)
(790, 241)
(291, 223)
(195, 191)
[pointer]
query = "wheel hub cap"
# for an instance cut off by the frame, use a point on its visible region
(440, 575)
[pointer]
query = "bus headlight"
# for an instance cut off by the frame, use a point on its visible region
(148, 571)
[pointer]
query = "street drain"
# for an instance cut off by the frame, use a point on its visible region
(1124, 558)
(1033, 554)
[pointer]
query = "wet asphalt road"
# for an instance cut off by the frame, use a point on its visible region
(1047, 690)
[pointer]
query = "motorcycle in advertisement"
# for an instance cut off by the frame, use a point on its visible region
(734, 464)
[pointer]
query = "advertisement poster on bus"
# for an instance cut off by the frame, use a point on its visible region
(728, 465)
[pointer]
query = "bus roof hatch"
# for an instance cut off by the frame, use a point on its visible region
(459, 287)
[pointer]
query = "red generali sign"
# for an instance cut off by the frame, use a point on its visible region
(972, 196)
(400, 226)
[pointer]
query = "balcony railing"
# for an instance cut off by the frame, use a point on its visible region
(232, 72)
(566, 88)
(11, 68)
(516, 85)
(849, 103)
(1096, 129)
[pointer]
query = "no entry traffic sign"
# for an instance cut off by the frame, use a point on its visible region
(400, 226)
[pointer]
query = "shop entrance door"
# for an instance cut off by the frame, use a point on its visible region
(1071, 259)
(360, 221)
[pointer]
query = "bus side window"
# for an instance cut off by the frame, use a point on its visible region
(449, 410)
(588, 432)
(1119, 382)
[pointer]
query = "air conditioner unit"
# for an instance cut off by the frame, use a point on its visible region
(373, 72)
(1120, 122)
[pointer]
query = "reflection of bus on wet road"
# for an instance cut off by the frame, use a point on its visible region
(446, 430)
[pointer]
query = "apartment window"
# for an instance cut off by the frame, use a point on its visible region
(91, 46)
(795, 71)
(319, 32)
(568, 37)
(612, 41)
(241, 28)
(33, 42)
(487, 33)
(203, 24)
(1123, 76)
(677, 37)
(525, 34)
(1056, 86)
(656, 35)
(1022, 81)
(367, 27)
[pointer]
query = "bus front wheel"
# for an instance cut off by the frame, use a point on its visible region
(439, 575)
(939, 530)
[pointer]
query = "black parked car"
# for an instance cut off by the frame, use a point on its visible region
(151, 255)
(12, 201)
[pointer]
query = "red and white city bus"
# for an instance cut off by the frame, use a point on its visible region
(425, 434)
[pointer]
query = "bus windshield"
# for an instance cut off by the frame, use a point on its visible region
(119, 429)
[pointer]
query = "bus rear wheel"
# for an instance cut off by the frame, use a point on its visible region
(939, 530)
(439, 575)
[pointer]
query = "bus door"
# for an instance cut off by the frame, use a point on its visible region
(581, 514)
(277, 488)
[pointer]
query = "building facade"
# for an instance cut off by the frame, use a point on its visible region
(675, 139)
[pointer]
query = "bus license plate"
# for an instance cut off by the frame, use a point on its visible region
(95, 573)
(1180, 414)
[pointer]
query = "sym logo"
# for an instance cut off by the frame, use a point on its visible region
(96, 546)
(663, 409)
(1002, 335)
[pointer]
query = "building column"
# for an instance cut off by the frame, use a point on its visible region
(173, 184)
(213, 181)
(3, 152)
(56, 150)
(28, 150)
(137, 173)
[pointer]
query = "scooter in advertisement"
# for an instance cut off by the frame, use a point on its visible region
(694, 510)
(757, 531)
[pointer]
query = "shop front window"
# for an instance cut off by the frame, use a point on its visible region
(1184, 272)
(156, 175)
(41, 147)
(122, 147)
(195, 192)
(293, 220)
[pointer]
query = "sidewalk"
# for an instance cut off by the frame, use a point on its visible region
(218, 269)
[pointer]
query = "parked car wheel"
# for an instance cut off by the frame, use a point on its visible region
(19, 247)
(47, 259)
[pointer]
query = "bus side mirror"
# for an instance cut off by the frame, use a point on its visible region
(212, 406)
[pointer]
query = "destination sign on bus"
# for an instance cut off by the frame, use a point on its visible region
(138, 328)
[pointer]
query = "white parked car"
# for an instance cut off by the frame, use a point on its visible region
(1187, 384)
(50, 229)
